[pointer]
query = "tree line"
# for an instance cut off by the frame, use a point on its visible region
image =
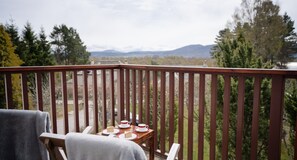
(64, 47)
(28, 48)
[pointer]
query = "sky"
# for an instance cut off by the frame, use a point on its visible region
(129, 25)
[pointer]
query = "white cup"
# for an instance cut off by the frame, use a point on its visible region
(124, 123)
(143, 127)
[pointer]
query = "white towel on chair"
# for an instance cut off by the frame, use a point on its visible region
(92, 147)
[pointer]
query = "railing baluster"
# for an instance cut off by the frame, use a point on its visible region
(255, 121)
(134, 97)
(190, 115)
(121, 93)
(140, 96)
(226, 112)
(25, 91)
(75, 102)
(39, 97)
(163, 115)
(147, 96)
(147, 99)
(240, 117)
(171, 108)
(155, 107)
(213, 125)
(104, 113)
(95, 101)
(201, 116)
(112, 96)
(8, 91)
(295, 143)
(86, 97)
(65, 101)
(52, 86)
(128, 94)
(276, 117)
(181, 115)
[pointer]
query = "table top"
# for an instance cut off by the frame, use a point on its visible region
(141, 136)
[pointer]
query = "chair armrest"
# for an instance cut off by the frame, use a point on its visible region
(55, 145)
(173, 151)
(88, 130)
(56, 139)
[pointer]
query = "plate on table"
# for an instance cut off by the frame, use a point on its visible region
(130, 138)
(141, 130)
(115, 131)
(124, 126)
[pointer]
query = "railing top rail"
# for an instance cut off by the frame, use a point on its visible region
(187, 69)
(56, 68)
(215, 70)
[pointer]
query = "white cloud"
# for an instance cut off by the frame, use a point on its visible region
(128, 24)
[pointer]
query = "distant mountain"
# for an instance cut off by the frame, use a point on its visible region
(197, 50)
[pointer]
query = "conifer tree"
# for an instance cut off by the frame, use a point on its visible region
(29, 46)
(45, 57)
(13, 32)
(238, 53)
(289, 41)
(67, 46)
(35, 52)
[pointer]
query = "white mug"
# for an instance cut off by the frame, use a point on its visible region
(143, 127)
(124, 123)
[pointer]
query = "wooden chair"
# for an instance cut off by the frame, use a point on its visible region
(55, 144)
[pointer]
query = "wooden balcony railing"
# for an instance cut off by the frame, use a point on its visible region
(101, 95)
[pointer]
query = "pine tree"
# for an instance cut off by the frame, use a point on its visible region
(13, 32)
(239, 53)
(7, 59)
(68, 48)
(35, 52)
(289, 41)
(44, 56)
(29, 46)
